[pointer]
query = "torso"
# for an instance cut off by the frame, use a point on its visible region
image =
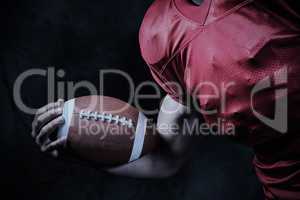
(231, 44)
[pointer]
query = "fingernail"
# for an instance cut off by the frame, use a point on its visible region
(62, 119)
(43, 149)
(55, 153)
(37, 141)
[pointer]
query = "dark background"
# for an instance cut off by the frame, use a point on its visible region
(83, 37)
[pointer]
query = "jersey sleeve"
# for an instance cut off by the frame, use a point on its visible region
(161, 38)
(170, 81)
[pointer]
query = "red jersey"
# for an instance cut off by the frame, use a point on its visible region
(236, 43)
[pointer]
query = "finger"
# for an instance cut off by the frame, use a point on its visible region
(32, 133)
(54, 145)
(48, 129)
(54, 153)
(47, 107)
(41, 111)
(45, 118)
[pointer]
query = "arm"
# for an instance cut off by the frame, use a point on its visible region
(163, 163)
(168, 161)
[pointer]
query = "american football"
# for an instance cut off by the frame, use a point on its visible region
(106, 130)
(152, 99)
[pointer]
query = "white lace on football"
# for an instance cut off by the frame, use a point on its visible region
(107, 117)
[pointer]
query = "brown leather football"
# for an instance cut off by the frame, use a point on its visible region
(107, 130)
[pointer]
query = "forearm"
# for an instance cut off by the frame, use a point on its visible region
(176, 146)
(154, 165)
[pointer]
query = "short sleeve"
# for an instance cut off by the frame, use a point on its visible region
(171, 81)
(162, 37)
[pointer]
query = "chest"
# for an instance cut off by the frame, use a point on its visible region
(239, 49)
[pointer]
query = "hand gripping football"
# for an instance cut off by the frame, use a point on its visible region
(106, 130)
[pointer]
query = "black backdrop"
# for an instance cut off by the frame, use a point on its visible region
(82, 37)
